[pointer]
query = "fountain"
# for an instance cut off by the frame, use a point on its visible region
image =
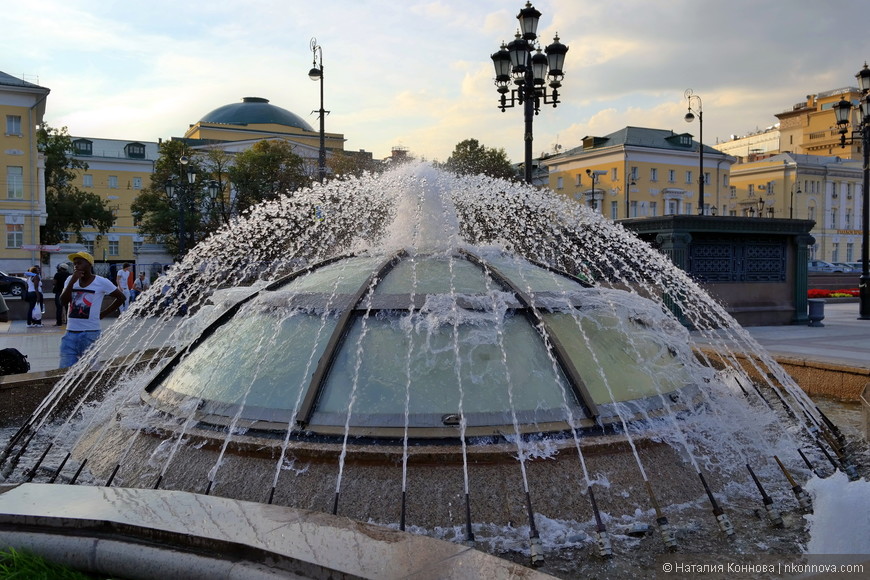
(465, 358)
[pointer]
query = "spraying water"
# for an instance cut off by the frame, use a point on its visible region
(478, 334)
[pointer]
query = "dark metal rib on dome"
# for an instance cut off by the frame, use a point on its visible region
(558, 350)
(338, 335)
(255, 111)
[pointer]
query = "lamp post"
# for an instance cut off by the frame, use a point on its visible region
(690, 116)
(316, 74)
(861, 130)
(522, 61)
(180, 192)
(794, 187)
(594, 175)
(760, 204)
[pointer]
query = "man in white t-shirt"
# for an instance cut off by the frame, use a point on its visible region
(123, 282)
(84, 295)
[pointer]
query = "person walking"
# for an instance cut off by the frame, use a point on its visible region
(83, 296)
(34, 285)
(59, 281)
(122, 280)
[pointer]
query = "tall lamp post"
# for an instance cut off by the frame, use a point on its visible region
(183, 193)
(690, 116)
(522, 61)
(860, 131)
(316, 74)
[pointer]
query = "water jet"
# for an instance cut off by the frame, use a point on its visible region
(448, 356)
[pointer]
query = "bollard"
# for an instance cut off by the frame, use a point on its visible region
(816, 311)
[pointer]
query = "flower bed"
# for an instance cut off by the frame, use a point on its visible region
(846, 293)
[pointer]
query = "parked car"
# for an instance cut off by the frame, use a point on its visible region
(848, 266)
(856, 266)
(12, 285)
(823, 266)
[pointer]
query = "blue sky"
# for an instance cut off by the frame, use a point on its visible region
(418, 73)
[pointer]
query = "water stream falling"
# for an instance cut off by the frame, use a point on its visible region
(435, 351)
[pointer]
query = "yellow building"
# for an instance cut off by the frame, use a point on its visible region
(237, 126)
(810, 127)
(22, 208)
(117, 171)
(826, 190)
(638, 172)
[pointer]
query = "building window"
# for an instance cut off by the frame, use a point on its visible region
(15, 182)
(614, 174)
(634, 173)
(87, 180)
(559, 183)
(83, 147)
(135, 150)
(14, 235)
(835, 252)
(113, 182)
(89, 246)
(136, 246)
(673, 206)
(848, 222)
(653, 174)
(689, 177)
(724, 179)
(672, 176)
(137, 183)
(633, 209)
(653, 208)
(114, 248)
(751, 190)
(614, 210)
(833, 218)
(13, 125)
(579, 180)
(706, 179)
(850, 252)
(811, 213)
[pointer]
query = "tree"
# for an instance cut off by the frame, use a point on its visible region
(163, 218)
(265, 171)
(69, 209)
(347, 164)
(470, 157)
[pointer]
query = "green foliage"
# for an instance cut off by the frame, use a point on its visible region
(344, 164)
(470, 157)
(265, 171)
(192, 210)
(20, 565)
(69, 208)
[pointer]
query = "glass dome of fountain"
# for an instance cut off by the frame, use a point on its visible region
(370, 345)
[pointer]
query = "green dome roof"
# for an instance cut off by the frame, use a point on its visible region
(255, 111)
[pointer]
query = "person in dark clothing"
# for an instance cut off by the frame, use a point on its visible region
(59, 281)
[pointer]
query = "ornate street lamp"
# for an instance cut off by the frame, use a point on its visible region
(690, 116)
(760, 204)
(860, 131)
(523, 62)
(316, 74)
(182, 193)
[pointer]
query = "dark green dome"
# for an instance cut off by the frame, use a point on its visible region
(255, 111)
